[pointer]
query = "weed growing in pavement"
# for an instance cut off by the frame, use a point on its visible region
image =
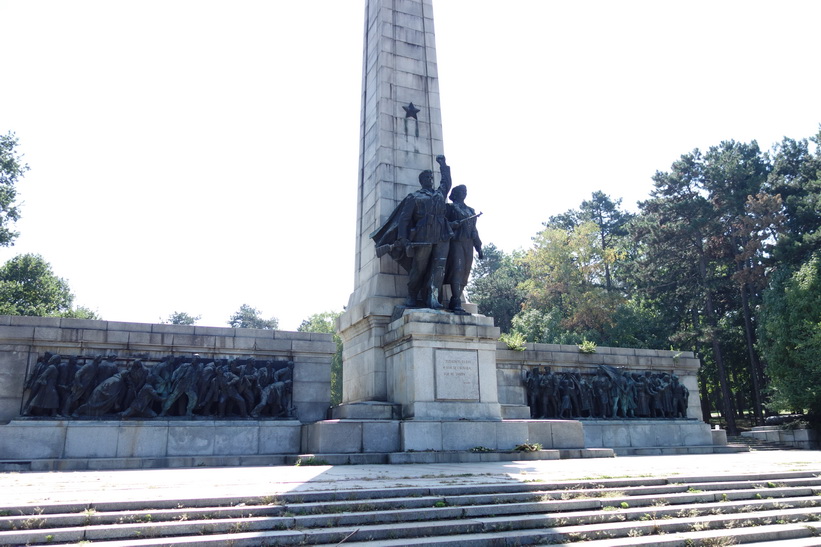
(310, 461)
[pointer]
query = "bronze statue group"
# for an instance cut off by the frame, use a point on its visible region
(609, 393)
(189, 386)
(433, 240)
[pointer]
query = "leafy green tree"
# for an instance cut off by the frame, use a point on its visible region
(790, 336)
(637, 323)
(612, 223)
(247, 317)
(12, 169)
(796, 177)
(544, 327)
(82, 312)
(735, 175)
(567, 278)
(575, 289)
(703, 240)
(494, 285)
(28, 286)
(680, 236)
(182, 318)
(325, 322)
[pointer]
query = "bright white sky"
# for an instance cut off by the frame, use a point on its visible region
(195, 155)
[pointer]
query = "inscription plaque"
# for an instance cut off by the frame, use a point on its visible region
(457, 375)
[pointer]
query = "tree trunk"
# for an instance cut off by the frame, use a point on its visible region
(726, 400)
(754, 363)
(608, 285)
(712, 323)
(706, 408)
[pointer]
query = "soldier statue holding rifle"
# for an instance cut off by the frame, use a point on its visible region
(460, 256)
(418, 235)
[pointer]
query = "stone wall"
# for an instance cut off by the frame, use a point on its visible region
(23, 339)
(511, 364)
(805, 439)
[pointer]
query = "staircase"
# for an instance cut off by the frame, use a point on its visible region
(757, 444)
(706, 510)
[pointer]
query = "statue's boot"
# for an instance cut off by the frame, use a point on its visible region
(437, 277)
(455, 304)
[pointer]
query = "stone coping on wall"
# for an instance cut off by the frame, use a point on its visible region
(569, 355)
(91, 332)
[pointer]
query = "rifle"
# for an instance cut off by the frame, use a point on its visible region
(382, 250)
(477, 215)
(385, 249)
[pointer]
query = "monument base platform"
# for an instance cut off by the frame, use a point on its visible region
(515, 412)
(363, 436)
(644, 433)
(69, 439)
(55, 445)
(376, 458)
(368, 410)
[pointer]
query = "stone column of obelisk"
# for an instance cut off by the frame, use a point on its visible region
(408, 364)
(400, 135)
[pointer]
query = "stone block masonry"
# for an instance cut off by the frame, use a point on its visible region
(400, 136)
(24, 339)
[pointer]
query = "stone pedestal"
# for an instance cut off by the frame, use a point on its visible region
(437, 366)
(442, 366)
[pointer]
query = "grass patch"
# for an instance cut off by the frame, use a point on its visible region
(528, 446)
(310, 461)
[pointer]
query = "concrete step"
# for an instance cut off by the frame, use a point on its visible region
(787, 535)
(679, 450)
(517, 513)
(366, 458)
(756, 444)
(422, 508)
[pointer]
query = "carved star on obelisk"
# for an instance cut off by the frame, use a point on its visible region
(411, 111)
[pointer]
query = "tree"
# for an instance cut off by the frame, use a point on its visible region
(82, 312)
(575, 286)
(325, 322)
(703, 240)
(567, 278)
(494, 285)
(679, 233)
(796, 177)
(790, 336)
(734, 175)
(28, 286)
(611, 221)
(247, 317)
(544, 327)
(182, 318)
(11, 170)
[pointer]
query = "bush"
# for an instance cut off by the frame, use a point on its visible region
(514, 340)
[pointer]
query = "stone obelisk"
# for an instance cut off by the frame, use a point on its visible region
(386, 369)
(400, 135)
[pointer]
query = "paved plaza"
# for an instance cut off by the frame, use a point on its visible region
(100, 486)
